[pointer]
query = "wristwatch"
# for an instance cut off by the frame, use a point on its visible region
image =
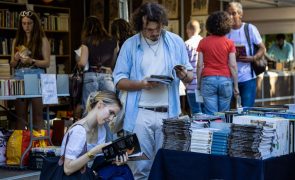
(90, 155)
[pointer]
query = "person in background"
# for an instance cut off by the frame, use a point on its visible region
(99, 50)
(121, 30)
(217, 67)
(30, 55)
(246, 75)
(281, 50)
(101, 107)
(192, 31)
(152, 51)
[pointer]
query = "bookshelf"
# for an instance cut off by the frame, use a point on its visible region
(56, 24)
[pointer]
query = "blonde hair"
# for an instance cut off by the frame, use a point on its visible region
(107, 97)
(194, 25)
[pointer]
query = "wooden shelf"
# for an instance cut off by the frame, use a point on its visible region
(4, 56)
(57, 26)
(49, 31)
(7, 29)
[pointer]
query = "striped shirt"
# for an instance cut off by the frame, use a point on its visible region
(191, 46)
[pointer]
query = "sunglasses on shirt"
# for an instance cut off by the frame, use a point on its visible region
(26, 13)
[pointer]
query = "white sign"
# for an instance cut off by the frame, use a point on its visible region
(199, 97)
(49, 91)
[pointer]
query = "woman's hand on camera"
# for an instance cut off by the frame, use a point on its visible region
(121, 159)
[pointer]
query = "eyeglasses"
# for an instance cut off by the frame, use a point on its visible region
(26, 13)
(153, 30)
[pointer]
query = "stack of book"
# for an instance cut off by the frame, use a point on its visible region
(251, 141)
(177, 133)
(4, 68)
(220, 143)
(201, 140)
(275, 127)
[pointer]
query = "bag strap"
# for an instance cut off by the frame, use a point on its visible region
(246, 29)
(77, 70)
(68, 134)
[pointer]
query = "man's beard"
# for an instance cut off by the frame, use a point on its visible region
(154, 38)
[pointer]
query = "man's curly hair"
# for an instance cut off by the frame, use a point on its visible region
(219, 23)
(153, 12)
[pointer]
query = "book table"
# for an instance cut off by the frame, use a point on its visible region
(179, 165)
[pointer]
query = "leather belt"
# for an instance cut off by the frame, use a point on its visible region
(156, 109)
(98, 70)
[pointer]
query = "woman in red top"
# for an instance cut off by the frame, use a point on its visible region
(217, 67)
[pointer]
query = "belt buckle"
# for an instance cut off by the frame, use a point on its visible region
(159, 109)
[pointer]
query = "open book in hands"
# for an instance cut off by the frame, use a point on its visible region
(129, 144)
(160, 79)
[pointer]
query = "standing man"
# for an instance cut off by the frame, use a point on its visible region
(152, 51)
(246, 75)
(281, 50)
(192, 31)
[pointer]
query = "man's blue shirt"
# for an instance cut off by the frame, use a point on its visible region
(128, 66)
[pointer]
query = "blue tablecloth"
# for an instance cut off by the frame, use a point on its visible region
(178, 165)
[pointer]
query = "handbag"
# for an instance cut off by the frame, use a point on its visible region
(258, 66)
(76, 85)
(117, 123)
(53, 168)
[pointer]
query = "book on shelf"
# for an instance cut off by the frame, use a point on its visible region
(129, 144)
(55, 21)
(9, 19)
(4, 69)
(5, 46)
(52, 67)
(4, 61)
(10, 87)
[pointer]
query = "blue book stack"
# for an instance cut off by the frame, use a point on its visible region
(220, 143)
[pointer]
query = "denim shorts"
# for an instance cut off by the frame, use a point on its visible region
(19, 73)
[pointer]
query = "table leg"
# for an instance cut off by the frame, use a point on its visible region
(48, 124)
(31, 134)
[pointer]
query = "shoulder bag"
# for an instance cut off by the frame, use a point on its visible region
(76, 85)
(258, 66)
(53, 168)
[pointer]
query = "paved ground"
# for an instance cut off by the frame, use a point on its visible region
(11, 174)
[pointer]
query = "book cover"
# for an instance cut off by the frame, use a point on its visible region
(160, 79)
(129, 144)
(240, 51)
